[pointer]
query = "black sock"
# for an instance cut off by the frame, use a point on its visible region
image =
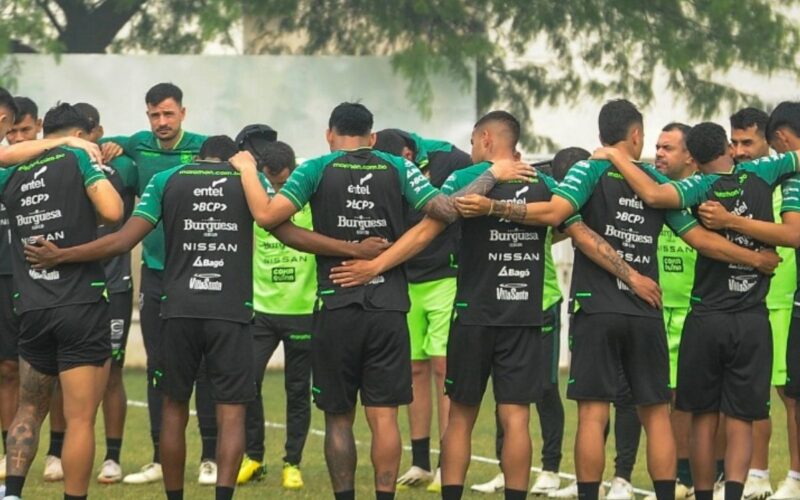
(113, 447)
(515, 494)
(175, 494)
(209, 440)
(156, 453)
(224, 493)
(685, 472)
(421, 453)
(452, 491)
(384, 495)
(704, 494)
(588, 490)
(5, 437)
(74, 497)
(345, 495)
(14, 485)
(720, 469)
(665, 490)
(56, 443)
(733, 490)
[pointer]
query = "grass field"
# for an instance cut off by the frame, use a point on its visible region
(137, 451)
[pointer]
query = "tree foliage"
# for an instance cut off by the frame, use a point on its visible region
(524, 52)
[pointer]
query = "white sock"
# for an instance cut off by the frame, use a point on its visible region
(761, 474)
(794, 475)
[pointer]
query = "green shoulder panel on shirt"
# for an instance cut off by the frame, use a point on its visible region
(695, 189)
(771, 169)
(679, 220)
(580, 181)
(415, 187)
(304, 180)
(790, 190)
(91, 173)
(150, 205)
(126, 168)
(463, 177)
(427, 146)
(5, 175)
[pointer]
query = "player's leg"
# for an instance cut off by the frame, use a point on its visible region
(340, 451)
(9, 362)
(53, 468)
(386, 448)
(516, 446)
(703, 454)
(297, 348)
(9, 395)
(175, 417)
(627, 434)
(207, 424)
(674, 319)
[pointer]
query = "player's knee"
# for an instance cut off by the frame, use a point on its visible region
(9, 372)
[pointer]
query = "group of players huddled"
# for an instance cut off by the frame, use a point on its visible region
(390, 266)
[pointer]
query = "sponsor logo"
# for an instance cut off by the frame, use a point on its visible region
(732, 193)
(213, 190)
(514, 273)
(31, 185)
(283, 275)
(634, 258)
(54, 236)
(117, 330)
(622, 286)
(46, 275)
(206, 282)
(377, 280)
(630, 218)
(514, 257)
(364, 179)
(512, 292)
(360, 204)
(360, 223)
(742, 283)
(39, 172)
(628, 236)
(209, 206)
(208, 263)
(672, 264)
(512, 236)
(210, 226)
(634, 202)
(210, 247)
(34, 199)
(36, 218)
(357, 189)
(521, 191)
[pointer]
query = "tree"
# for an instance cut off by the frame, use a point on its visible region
(596, 48)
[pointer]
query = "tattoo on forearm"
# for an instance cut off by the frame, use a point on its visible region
(482, 185)
(515, 212)
(35, 390)
(442, 208)
(340, 453)
(606, 252)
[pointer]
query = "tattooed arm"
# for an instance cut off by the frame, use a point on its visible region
(543, 213)
(601, 253)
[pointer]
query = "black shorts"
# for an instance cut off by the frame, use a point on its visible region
(226, 348)
(512, 355)
(792, 387)
(9, 321)
(724, 364)
(551, 342)
(354, 350)
(120, 307)
(605, 345)
(150, 318)
(57, 339)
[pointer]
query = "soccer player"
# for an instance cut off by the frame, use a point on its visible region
(722, 372)
(63, 316)
(613, 330)
(164, 146)
(781, 131)
(431, 290)
(27, 125)
(284, 293)
(121, 171)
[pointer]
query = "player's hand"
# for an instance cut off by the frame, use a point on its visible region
(243, 160)
(369, 248)
(92, 149)
(353, 273)
(473, 205)
(646, 289)
(512, 170)
(767, 261)
(42, 254)
(714, 216)
(110, 151)
(604, 154)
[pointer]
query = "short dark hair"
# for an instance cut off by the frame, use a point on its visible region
(505, 118)
(748, 117)
(25, 107)
(391, 141)
(218, 146)
(680, 127)
(565, 159)
(161, 92)
(785, 114)
(351, 118)
(616, 119)
(7, 101)
(706, 142)
(89, 111)
(64, 116)
(278, 156)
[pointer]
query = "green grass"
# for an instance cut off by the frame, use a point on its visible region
(137, 451)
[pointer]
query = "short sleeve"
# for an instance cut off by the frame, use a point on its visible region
(126, 168)
(572, 219)
(680, 221)
(790, 189)
(303, 182)
(693, 190)
(773, 169)
(151, 203)
(266, 185)
(416, 188)
(580, 181)
(90, 172)
(460, 179)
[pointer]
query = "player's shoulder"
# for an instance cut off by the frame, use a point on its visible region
(193, 139)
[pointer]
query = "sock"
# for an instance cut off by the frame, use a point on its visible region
(224, 493)
(113, 447)
(665, 490)
(704, 494)
(156, 452)
(515, 494)
(685, 472)
(5, 437)
(175, 494)
(794, 475)
(761, 474)
(384, 495)
(452, 491)
(721, 469)
(209, 440)
(733, 490)
(421, 453)
(74, 497)
(14, 485)
(345, 495)
(588, 491)
(56, 443)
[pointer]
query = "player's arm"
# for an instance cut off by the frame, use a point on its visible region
(652, 193)
(107, 202)
(358, 272)
(24, 151)
(267, 213)
(318, 244)
(715, 216)
(601, 253)
(542, 213)
(45, 254)
(717, 247)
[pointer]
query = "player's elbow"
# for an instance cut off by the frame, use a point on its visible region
(111, 213)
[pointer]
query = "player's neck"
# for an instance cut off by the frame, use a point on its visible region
(502, 155)
(722, 165)
(171, 143)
